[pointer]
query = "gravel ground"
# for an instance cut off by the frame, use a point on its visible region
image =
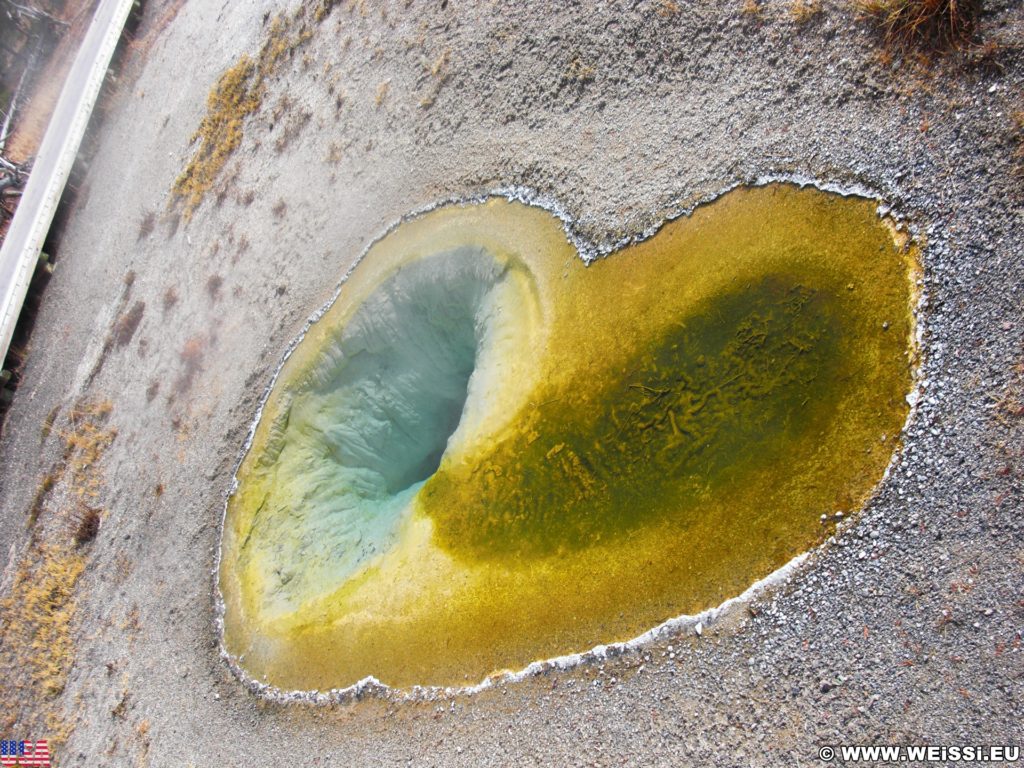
(904, 628)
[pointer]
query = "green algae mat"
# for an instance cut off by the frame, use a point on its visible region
(486, 452)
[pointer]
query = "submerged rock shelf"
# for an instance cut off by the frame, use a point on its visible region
(487, 453)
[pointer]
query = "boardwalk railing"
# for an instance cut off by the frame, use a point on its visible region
(23, 244)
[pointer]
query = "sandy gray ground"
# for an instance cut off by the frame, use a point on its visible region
(622, 114)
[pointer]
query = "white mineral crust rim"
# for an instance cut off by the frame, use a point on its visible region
(588, 252)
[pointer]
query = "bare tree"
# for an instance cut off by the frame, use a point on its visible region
(14, 10)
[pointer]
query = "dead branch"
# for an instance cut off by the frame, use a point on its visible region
(34, 13)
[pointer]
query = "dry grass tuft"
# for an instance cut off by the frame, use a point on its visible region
(751, 8)
(440, 65)
(578, 71)
(213, 287)
(49, 421)
(170, 298)
(88, 526)
(1018, 136)
(804, 11)
(37, 647)
(237, 94)
(85, 442)
(42, 491)
(667, 8)
(124, 329)
(439, 71)
(323, 9)
(335, 153)
(928, 23)
(37, 615)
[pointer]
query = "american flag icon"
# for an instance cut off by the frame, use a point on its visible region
(25, 753)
